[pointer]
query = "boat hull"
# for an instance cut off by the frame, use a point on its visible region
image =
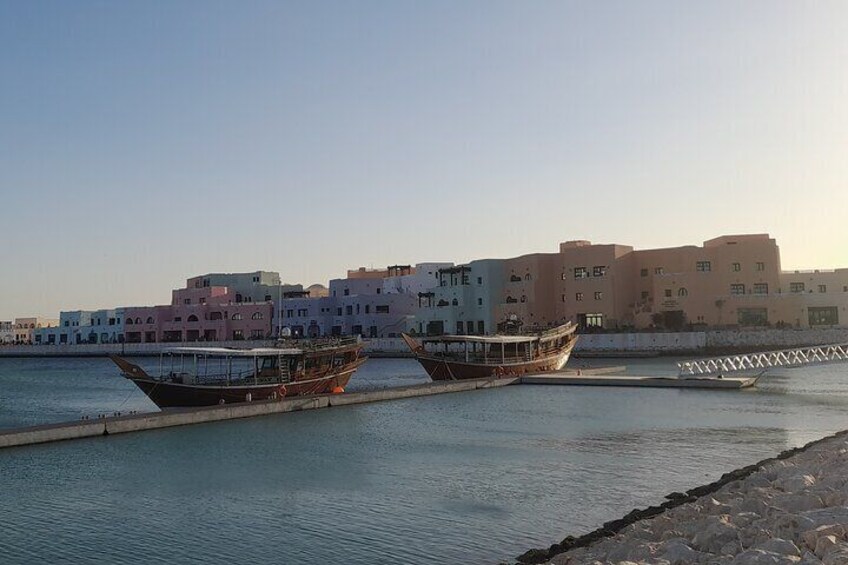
(445, 370)
(166, 394)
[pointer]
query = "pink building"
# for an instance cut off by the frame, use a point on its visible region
(199, 314)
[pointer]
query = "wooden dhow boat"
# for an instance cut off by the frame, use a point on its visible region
(206, 376)
(455, 357)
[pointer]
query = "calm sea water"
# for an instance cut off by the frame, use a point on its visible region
(473, 477)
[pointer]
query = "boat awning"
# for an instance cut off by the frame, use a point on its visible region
(482, 339)
(224, 352)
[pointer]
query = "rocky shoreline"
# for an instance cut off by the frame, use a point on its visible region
(792, 508)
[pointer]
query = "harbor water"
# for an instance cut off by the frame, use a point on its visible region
(475, 477)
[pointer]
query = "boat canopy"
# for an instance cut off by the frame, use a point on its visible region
(482, 338)
(225, 352)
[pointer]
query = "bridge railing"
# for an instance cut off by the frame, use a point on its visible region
(764, 360)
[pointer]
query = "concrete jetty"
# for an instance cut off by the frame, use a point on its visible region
(596, 379)
(186, 416)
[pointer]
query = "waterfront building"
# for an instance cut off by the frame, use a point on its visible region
(729, 281)
(24, 328)
(368, 302)
(7, 332)
(84, 326)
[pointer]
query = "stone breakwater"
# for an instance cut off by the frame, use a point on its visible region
(789, 509)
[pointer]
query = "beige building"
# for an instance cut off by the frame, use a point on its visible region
(729, 281)
(24, 327)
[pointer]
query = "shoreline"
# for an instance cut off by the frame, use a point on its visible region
(633, 526)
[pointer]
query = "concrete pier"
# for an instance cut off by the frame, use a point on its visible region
(571, 378)
(187, 416)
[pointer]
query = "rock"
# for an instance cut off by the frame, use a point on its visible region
(781, 546)
(795, 483)
(811, 537)
(795, 503)
(837, 556)
(824, 545)
(762, 557)
(827, 516)
(676, 552)
(715, 533)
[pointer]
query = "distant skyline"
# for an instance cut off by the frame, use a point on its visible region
(141, 144)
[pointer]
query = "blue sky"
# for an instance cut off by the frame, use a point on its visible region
(142, 143)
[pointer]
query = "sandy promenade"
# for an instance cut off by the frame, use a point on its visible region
(790, 509)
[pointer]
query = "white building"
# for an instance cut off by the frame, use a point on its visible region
(84, 326)
(370, 303)
(7, 333)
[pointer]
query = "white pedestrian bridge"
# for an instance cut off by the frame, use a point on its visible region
(764, 360)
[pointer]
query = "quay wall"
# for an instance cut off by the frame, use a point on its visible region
(589, 345)
(187, 416)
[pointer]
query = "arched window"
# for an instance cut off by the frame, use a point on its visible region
(527, 277)
(455, 302)
(192, 318)
(150, 319)
(237, 316)
(129, 321)
(138, 321)
(682, 292)
(256, 316)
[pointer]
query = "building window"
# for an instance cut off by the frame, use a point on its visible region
(760, 288)
(339, 311)
(289, 313)
(599, 295)
(479, 280)
(178, 318)
(563, 276)
(481, 327)
(645, 295)
(562, 298)
(255, 279)
(823, 316)
(347, 292)
(527, 277)
(845, 289)
(301, 312)
(643, 273)
(796, 287)
(267, 298)
(238, 335)
(454, 302)
(753, 316)
(682, 292)
(150, 319)
(379, 290)
(737, 289)
(823, 288)
(581, 272)
(459, 327)
(256, 316)
(668, 293)
(761, 266)
(736, 267)
(192, 318)
(703, 266)
(382, 309)
(479, 302)
(187, 301)
(659, 270)
(349, 310)
(594, 320)
(578, 297)
(237, 316)
(599, 271)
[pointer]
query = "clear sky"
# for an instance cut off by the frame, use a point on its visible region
(142, 143)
